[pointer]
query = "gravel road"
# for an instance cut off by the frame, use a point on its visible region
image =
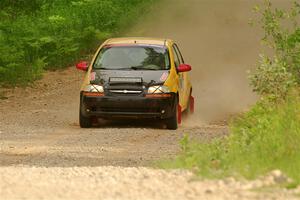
(127, 183)
(45, 155)
(39, 127)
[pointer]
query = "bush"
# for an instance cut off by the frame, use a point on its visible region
(50, 34)
(264, 139)
(274, 76)
(267, 137)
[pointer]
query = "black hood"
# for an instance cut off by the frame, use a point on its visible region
(146, 77)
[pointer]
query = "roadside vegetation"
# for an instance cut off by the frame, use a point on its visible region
(39, 35)
(268, 136)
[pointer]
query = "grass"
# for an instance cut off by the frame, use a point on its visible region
(264, 139)
(51, 34)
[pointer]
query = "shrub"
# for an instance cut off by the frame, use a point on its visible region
(264, 139)
(267, 137)
(274, 76)
(50, 34)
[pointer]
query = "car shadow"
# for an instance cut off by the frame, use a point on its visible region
(129, 123)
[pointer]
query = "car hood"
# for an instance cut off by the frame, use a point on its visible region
(145, 76)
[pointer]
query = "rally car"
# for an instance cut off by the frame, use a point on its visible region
(137, 78)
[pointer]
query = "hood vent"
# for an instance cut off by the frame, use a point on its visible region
(125, 80)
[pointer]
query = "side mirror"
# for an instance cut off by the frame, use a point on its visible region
(184, 68)
(83, 65)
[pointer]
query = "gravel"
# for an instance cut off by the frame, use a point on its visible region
(45, 155)
(125, 183)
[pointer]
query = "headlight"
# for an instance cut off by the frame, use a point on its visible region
(158, 89)
(94, 88)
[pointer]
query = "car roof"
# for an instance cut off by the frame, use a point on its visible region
(138, 40)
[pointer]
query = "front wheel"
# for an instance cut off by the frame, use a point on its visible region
(84, 122)
(172, 122)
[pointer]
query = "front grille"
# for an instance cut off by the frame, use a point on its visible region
(125, 90)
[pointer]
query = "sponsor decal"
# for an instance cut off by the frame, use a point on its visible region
(164, 76)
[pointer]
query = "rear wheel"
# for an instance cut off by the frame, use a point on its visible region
(191, 105)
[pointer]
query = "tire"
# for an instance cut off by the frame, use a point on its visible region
(172, 122)
(190, 107)
(187, 112)
(84, 122)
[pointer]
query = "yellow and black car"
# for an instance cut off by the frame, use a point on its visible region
(136, 77)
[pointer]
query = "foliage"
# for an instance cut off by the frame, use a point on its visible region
(282, 34)
(265, 138)
(50, 34)
(272, 78)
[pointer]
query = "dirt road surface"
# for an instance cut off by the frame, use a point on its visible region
(45, 155)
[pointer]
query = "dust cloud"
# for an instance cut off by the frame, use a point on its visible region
(216, 39)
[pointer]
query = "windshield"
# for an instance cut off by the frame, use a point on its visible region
(133, 58)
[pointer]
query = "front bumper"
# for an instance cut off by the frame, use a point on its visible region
(128, 106)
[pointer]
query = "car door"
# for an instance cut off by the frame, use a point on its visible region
(182, 85)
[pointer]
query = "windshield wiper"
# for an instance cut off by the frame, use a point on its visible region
(126, 68)
(113, 68)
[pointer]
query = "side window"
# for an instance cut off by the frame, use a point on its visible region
(176, 58)
(179, 54)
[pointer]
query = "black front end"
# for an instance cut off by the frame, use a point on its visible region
(128, 97)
